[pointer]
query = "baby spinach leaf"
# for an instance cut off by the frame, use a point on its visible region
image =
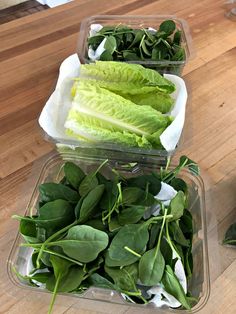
(99, 281)
(138, 36)
(154, 184)
(131, 195)
(106, 56)
(130, 56)
(114, 225)
(89, 203)
(177, 205)
(124, 278)
(177, 38)
(151, 267)
(55, 215)
(177, 234)
(97, 224)
(110, 196)
(154, 231)
(28, 231)
(192, 166)
(73, 174)
(186, 224)
(152, 263)
(133, 237)
(188, 261)
(88, 184)
(110, 44)
(167, 26)
(166, 251)
(230, 235)
(131, 214)
(83, 243)
(179, 185)
(69, 281)
(54, 191)
(41, 277)
(173, 287)
(90, 181)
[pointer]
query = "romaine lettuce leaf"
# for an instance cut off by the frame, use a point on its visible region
(94, 135)
(125, 72)
(100, 115)
(101, 108)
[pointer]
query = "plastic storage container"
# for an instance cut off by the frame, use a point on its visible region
(55, 111)
(52, 171)
(139, 21)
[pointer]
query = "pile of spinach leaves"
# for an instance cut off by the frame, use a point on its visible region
(124, 43)
(89, 231)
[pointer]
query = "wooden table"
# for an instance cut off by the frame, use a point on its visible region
(31, 50)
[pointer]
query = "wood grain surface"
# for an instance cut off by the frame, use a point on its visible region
(31, 50)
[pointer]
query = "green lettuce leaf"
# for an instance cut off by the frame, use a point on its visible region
(101, 108)
(137, 93)
(126, 73)
(100, 115)
(84, 132)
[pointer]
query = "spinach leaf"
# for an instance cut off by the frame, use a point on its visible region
(110, 44)
(167, 26)
(99, 281)
(152, 263)
(97, 224)
(154, 184)
(110, 196)
(54, 191)
(132, 237)
(124, 278)
(83, 243)
(28, 231)
(41, 277)
(69, 281)
(73, 174)
(173, 287)
(131, 195)
(131, 214)
(179, 185)
(177, 205)
(166, 251)
(154, 231)
(151, 267)
(89, 203)
(106, 56)
(55, 215)
(177, 234)
(177, 38)
(90, 181)
(230, 235)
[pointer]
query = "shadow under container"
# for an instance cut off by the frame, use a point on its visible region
(139, 22)
(52, 171)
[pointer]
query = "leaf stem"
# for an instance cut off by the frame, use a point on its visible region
(132, 252)
(169, 240)
(102, 164)
(54, 294)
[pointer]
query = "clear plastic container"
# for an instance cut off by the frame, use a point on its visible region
(139, 21)
(199, 286)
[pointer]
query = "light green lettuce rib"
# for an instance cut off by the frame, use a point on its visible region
(84, 132)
